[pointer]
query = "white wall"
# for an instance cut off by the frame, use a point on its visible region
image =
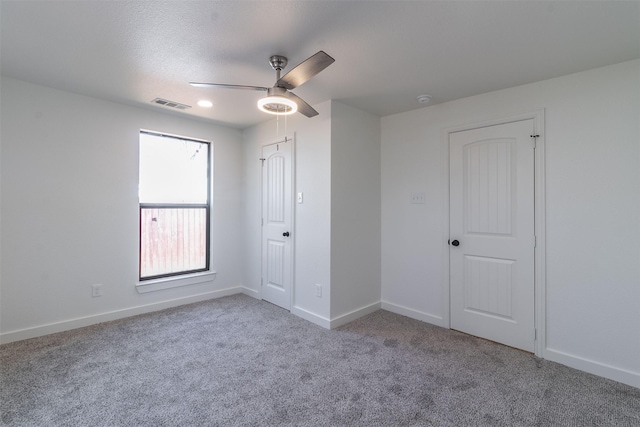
(592, 211)
(70, 209)
(337, 230)
(355, 212)
(313, 217)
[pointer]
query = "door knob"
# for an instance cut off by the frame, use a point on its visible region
(285, 234)
(455, 243)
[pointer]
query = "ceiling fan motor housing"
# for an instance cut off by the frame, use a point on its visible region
(280, 100)
(278, 62)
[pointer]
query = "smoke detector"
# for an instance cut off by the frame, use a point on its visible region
(424, 99)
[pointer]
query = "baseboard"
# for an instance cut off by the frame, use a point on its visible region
(311, 317)
(353, 315)
(592, 367)
(80, 322)
(250, 292)
(414, 314)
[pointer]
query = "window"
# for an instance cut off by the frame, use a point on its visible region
(174, 194)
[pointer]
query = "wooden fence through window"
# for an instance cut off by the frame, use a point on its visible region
(172, 240)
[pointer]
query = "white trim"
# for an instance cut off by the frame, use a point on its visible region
(66, 325)
(540, 219)
(294, 207)
(540, 253)
(251, 292)
(175, 281)
(278, 140)
(189, 278)
(415, 314)
(173, 135)
(593, 367)
(282, 140)
(444, 196)
(353, 315)
(311, 317)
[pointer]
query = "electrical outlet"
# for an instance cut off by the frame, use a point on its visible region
(319, 291)
(96, 291)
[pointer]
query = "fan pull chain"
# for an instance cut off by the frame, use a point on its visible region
(278, 125)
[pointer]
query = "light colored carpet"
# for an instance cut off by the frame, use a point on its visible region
(238, 361)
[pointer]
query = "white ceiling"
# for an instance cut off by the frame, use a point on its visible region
(387, 52)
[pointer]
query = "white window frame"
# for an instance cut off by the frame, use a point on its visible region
(187, 278)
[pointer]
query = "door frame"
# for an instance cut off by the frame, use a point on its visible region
(285, 139)
(539, 220)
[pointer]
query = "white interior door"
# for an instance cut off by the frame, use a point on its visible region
(492, 237)
(277, 219)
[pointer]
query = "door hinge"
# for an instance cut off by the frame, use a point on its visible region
(535, 241)
(534, 139)
(261, 221)
(261, 281)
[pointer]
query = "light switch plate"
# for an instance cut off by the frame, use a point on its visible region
(418, 198)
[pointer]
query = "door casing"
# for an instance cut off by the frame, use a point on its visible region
(286, 139)
(539, 212)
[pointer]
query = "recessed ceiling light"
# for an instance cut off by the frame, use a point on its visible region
(205, 103)
(424, 99)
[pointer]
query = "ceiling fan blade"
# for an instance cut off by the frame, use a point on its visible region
(305, 70)
(303, 107)
(223, 86)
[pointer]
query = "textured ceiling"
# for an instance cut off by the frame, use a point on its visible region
(387, 52)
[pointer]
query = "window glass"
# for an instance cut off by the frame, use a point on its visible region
(174, 188)
(173, 170)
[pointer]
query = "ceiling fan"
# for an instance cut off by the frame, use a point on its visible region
(280, 100)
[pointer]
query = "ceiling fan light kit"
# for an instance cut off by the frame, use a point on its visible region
(277, 103)
(279, 100)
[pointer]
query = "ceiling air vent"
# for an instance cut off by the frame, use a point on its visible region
(171, 104)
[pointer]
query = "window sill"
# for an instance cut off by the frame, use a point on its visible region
(175, 282)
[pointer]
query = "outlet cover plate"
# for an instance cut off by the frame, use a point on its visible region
(418, 197)
(96, 291)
